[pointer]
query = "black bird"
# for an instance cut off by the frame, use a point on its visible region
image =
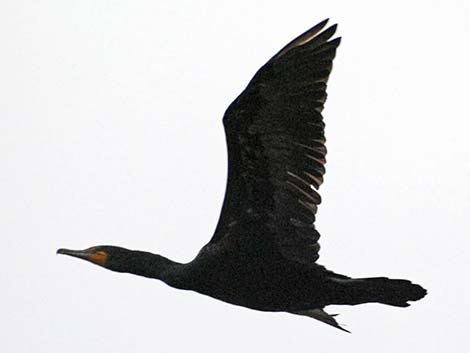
(264, 250)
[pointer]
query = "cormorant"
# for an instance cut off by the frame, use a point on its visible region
(264, 250)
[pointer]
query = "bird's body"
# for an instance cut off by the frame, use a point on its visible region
(263, 253)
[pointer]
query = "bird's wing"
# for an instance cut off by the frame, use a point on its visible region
(321, 315)
(276, 153)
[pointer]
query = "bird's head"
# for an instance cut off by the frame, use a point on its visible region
(110, 257)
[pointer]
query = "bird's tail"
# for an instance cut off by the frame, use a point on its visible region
(396, 292)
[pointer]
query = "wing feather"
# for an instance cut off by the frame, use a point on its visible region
(276, 149)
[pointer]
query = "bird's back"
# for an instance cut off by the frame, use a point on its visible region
(260, 279)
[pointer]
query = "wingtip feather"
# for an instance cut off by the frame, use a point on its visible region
(309, 35)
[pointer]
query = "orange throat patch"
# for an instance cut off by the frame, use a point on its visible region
(98, 258)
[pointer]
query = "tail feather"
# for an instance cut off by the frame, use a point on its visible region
(396, 292)
(352, 291)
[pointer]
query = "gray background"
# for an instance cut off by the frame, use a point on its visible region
(110, 133)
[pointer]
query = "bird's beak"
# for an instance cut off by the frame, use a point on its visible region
(82, 254)
(96, 257)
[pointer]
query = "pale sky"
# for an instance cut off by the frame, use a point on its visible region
(111, 133)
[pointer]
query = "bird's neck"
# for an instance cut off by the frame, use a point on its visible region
(156, 266)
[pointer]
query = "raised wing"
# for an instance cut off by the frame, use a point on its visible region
(276, 152)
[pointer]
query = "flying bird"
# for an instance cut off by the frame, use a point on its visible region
(263, 254)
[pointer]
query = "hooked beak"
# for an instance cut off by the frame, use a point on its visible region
(82, 254)
(96, 257)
